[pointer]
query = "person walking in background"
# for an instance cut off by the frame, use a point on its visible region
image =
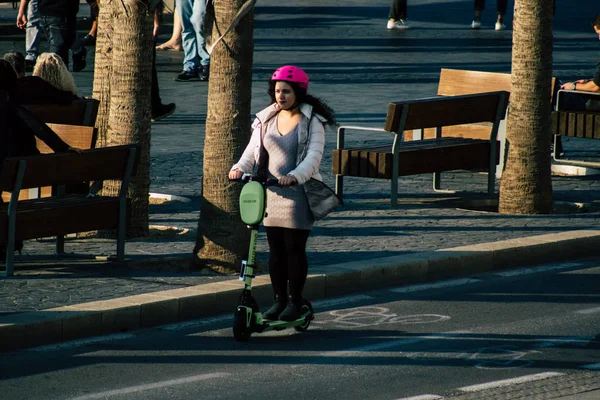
(90, 38)
(33, 35)
(501, 9)
(175, 42)
(397, 15)
(58, 21)
(287, 143)
(158, 109)
(196, 60)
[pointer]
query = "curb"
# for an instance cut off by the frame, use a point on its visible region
(23, 330)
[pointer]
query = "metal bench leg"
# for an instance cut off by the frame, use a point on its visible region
(60, 244)
(394, 190)
(491, 178)
(339, 186)
(437, 181)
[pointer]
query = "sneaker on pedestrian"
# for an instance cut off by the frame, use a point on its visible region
(475, 24)
(187, 76)
(162, 111)
(500, 26)
(79, 61)
(400, 24)
(203, 72)
(276, 309)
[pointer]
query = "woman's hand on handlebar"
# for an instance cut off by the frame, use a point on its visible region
(287, 180)
(235, 174)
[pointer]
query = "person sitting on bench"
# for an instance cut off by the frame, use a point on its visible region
(34, 89)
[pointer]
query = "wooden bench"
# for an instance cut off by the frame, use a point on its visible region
(400, 158)
(79, 112)
(62, 214)
(576, 124)
(457, 82)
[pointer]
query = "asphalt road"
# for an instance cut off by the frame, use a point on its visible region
(435, 341)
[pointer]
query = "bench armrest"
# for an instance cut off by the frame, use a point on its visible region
(342, 130)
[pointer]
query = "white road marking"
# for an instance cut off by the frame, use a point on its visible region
(592, 366)
(387, 345)
(82, 342)
(435, 285)
(508, 382)
(589, 311)
(423, 397)
(580, 341)
(150, 386)
(197, 322)
(535, 270)
(340, 300)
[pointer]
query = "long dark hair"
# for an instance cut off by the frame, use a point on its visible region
(318, 105)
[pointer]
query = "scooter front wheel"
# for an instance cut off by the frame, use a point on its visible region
(241, 332)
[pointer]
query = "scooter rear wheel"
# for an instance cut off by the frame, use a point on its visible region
(241, 333)
(304, 326)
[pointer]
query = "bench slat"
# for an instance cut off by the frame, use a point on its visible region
(417, 158)
(67, 168)
(61, 217)
(445, 111)
(79, 112)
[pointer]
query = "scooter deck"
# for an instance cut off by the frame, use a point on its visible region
(278, 325)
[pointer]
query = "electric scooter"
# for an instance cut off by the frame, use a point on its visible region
(247, 318)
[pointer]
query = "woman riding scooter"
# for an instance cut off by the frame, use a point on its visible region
(287, 143)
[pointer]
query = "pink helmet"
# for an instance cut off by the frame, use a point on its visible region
(290, 73)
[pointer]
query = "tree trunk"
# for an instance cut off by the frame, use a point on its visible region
(122, 83)
(222, 240)
(526, 186)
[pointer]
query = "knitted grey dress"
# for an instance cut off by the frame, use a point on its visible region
(287, 207)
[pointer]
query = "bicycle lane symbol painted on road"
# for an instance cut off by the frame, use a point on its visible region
(494, 357)
(362, 317)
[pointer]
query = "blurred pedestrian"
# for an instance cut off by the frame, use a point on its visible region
(58, 21)
(159, 110)
(501, 6)
(33, 35)
(397, 15)
(174, 43)
(196, 60)
(287, 143)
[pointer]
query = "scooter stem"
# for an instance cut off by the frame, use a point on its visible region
(249, 267)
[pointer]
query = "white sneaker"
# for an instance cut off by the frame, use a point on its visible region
(401, 24)
(500, 26)
(475, 24)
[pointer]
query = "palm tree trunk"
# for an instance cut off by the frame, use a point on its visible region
(222, 240)
(526, 186)
(123, 86)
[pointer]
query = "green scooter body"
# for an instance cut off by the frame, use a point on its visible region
(252, 203)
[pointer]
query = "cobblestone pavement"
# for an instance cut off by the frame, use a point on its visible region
(357, 66)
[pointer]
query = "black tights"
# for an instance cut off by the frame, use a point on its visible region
(287, 260)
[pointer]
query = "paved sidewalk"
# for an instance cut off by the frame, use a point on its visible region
(358, 67)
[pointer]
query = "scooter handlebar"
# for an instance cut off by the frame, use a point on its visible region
(264, 181)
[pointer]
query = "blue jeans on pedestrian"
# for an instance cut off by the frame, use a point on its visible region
(191, 13)
(33, 34)
(60, 35)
